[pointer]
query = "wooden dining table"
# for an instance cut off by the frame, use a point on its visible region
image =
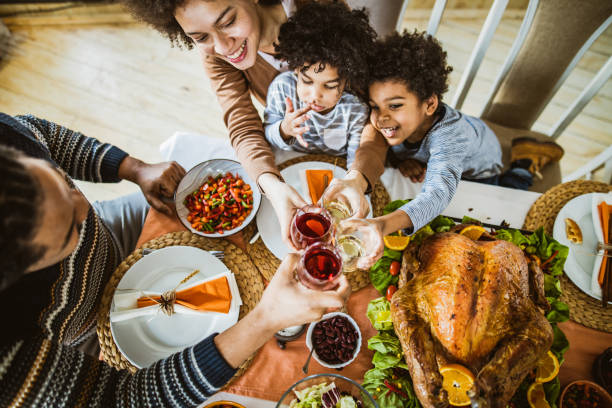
(273, 370)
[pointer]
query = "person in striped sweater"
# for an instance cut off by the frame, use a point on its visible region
(429, 141)
(58, 251)
(313, 108)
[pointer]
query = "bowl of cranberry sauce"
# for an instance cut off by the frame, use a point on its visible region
(585, 394)
(336, 340)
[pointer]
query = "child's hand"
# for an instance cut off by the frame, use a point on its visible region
(291, 126)
(413, 169)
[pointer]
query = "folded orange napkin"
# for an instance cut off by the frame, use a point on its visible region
(604, 217)
(213, 296)
(316, 182)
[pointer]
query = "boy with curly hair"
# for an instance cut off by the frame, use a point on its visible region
(313, 107)
(430, 141)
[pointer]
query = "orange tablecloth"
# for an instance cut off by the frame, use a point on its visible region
(158, 224)
(274, 370)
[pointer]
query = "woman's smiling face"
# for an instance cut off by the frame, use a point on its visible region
(229, 29)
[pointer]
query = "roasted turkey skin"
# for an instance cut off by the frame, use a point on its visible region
(469, 302)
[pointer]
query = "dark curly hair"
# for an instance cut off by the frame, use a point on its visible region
(20, 201)
(329, 34)
(416, 59)
(159, 14)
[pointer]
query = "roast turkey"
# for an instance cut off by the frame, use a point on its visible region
(475, 303)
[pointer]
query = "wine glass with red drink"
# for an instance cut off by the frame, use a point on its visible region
(311, 224)
(320, 267)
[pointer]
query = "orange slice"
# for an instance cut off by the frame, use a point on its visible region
(473, 232)
(547, 368)
(536, 396)
(457, 381)
(316, 227)
(396, 242)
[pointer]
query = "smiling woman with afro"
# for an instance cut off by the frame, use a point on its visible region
(159, 14)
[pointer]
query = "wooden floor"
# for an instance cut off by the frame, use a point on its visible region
(124, 84)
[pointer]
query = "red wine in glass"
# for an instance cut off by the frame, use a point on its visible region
(310, 224)
(320, 267)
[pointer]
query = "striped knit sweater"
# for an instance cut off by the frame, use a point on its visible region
(47, 313)
(457, 146)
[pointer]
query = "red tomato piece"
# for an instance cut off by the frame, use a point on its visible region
(394, 268)
(390, 291)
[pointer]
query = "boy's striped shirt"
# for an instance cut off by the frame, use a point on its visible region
(337, 132)
(457, 146)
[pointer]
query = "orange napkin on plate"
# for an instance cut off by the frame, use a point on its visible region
(213, 296)
(316, 182)
(604, 217)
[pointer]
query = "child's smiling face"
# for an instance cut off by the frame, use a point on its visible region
(320, 87)
(398, 114)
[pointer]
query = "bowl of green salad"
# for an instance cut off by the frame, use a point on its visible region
(326, 391)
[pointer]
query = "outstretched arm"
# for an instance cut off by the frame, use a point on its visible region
(285, 303)
(38, 370)
(81, 157)
(368, 165)
(242, 120)
(448, 150)
(86, 158)
(357, 120)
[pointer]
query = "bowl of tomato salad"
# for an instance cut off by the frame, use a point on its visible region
(217, 198)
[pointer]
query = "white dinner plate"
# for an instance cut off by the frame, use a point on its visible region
(581, 258)
(147, 339)
(295, 176)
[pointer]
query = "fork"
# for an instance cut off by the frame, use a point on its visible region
(217, 254)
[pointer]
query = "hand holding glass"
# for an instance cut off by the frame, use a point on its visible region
(359, 242)
(311, 224)
(320, 267)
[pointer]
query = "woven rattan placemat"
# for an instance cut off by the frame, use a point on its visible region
(250, 284)
(267, 263)
(583, 308)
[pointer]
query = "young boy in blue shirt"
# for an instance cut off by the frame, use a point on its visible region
(313, 107)
(431, 142)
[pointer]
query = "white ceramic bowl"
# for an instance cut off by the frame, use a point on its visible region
(196, 177)
(314, 353)
(344, 385)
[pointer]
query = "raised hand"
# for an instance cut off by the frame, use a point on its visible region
(293, 123)
(285, 200)
(289, 303)
(284, 303)
(349, 190)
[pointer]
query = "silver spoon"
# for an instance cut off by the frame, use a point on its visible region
(305, 368)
